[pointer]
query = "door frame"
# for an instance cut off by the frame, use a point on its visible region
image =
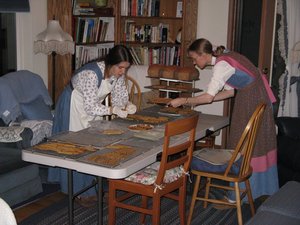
(265, 55)
(267, 31)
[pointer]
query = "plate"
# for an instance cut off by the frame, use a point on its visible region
(140, 127)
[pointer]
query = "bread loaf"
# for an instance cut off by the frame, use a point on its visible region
(154, 70)
(186, 73)
(169, 72)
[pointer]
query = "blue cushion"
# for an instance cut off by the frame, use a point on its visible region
(36, 110)
(201, 165)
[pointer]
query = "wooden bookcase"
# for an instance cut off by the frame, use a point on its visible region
(62, 10)
(165, 21)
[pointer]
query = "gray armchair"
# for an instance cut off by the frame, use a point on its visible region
(25, 120)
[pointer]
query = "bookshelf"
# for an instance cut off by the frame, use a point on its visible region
(149, 28)
(93, 46)
(93, 31)
(166, 17)
(93, 37)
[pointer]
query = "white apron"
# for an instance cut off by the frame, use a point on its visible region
(79, 119)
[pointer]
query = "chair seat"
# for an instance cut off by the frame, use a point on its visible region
(148, 175)
(214, 160)
(225, 165)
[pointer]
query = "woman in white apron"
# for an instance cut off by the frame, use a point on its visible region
(81, 102)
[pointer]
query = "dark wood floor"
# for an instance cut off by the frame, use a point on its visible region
(27, 210)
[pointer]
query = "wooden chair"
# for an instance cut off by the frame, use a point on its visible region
(134, 91)
(241, 155)
(171, 175)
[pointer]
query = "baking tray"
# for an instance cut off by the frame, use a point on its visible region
(103, 152)
(86, 137)
(90, 149)
(143, 144)
(178, 112)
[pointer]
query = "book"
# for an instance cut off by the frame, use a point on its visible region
(179, 9)
(86, 27)
(124, 8)
(134, 56)
(164, 35)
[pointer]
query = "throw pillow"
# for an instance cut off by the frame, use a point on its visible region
(36, 110)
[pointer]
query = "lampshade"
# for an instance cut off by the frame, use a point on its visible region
(54, 39)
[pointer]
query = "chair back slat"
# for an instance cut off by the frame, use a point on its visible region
(183, 150)
(247, 141)
(134, 91)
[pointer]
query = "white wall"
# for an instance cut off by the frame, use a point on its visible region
(28, 26)
(212, 25)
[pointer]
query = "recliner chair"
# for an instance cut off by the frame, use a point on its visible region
(25, 119)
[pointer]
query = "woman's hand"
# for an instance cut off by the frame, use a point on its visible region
(131, 108)
(119, 112)
(177, 102)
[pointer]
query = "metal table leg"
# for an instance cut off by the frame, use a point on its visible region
(70, 195)
(100, 201)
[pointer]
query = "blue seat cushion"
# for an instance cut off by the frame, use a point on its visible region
(201, 165)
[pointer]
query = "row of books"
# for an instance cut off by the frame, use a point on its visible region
(156, 55)
(146, 33)
(89, 8)
(140, 8)
(94, 29)
(85, 54)
(82, 8)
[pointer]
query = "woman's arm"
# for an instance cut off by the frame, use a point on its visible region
(202, 99)
(119, 94)
(222, 95)
(89, 89)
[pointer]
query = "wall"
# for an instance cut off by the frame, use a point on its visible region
(212, 25)
(28, 26)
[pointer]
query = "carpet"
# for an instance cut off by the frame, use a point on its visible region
(57, 214)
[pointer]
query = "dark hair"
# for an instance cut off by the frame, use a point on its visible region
(116, 55)
(203, 45)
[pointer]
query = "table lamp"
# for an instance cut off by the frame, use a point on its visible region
(54, 41)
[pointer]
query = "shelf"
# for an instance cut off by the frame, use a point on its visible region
(151, 18)
(173, 80)
(174, 89)
(169, 18)
(148, 44)
(94, 43)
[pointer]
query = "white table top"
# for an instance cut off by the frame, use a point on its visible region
(211, 122)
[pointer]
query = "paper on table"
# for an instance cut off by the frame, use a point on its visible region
(215, 156)
(150, 135)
